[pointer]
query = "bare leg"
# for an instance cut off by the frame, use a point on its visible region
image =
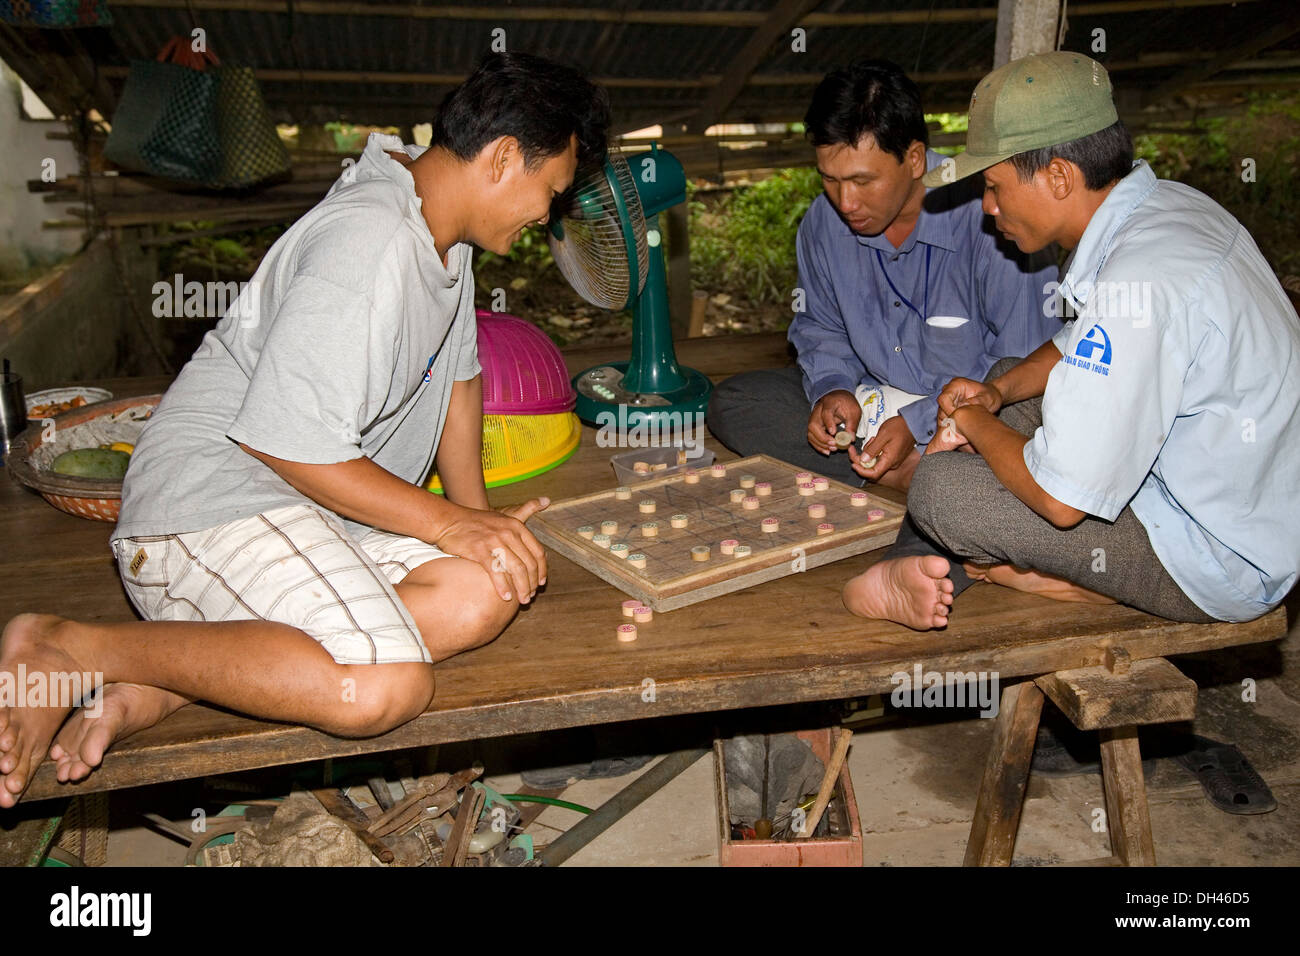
(914, 591)
(451, 600)
(1035, 582)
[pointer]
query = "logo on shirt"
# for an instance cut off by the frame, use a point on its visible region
(1092, 354)
(428, 369)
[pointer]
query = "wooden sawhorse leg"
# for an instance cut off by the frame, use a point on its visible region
(1114, 699)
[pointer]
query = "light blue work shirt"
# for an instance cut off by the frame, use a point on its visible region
(1178, 393)
(856, 328)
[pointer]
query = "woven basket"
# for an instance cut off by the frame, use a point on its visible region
(98, 499)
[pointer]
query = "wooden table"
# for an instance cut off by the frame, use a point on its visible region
(558, 665)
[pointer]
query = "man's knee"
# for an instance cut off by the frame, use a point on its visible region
(375, 698)
(930, 498)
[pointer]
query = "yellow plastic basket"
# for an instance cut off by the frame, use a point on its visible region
(516, 447)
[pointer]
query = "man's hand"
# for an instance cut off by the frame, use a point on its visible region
(891, 446)
(966, 391)
(833, 410)
(501, 545)
(948, 437)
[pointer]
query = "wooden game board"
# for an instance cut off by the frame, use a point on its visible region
(671, 579)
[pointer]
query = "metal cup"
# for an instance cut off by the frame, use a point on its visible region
(13, 410)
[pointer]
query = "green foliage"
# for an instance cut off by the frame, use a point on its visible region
(744, 243)
(531, 254)
(223, 257)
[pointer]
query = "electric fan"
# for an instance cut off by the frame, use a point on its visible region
(607, 245)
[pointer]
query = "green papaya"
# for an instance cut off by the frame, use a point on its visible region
(92, 463)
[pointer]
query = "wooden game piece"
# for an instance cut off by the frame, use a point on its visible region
(586, 531)
(619, 549)
(609, 527)
(802, 476)
(642, 614)
(737, 495)
(718, 471)
(728, 546)
(770, 525)
(742, 551)
(807, 488)
(820, 483)
(622, 493)
(630, 606)
(843, 439)
(747, 481)
(875, 514)
(600, 540)
(691, 476)
(626, 633)
(641, 467)
(700, 552)
(825, 528)
(679, 521)
(817, 510)
(763, 488)
(858, 499)
(869, 463)
(637, 560)
(750, 502)
(662, 466)
(650, 529)
(646, 506)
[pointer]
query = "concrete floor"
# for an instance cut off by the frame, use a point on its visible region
(915, 776)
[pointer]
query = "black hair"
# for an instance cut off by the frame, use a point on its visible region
(1103, 157)
(538, 102)
(868, 97)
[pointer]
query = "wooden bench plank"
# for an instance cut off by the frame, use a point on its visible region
(1152, 692)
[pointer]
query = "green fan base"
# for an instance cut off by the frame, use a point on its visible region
(690, 399)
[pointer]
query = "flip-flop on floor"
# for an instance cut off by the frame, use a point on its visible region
(1229, 781)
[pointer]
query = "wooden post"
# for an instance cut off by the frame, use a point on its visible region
(1128, 820)
(1025, 27)
(1002, 791)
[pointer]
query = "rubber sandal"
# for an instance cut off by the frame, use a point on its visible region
(1229, 781)
(1071, 752)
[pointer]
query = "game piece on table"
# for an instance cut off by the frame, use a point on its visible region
(875, 514)
(691, 476)
(737, 495)
(750, 503)
(609, 527)
(718, 471)
(619, 549)
(802, 476)
(650, 529)
(700, 552)
(623, 493)
(820, 483)
(641, 467)
(646, 506)
(807, 488)
(642, 614)
(763, 488)
(637, 560)
(626, 633)
(817, 510)
(770, 525)
(742, 551)
(747, 481)
(728, 546)
(679, 521)
(843, 439)
(629, 607)
(662, 466)
(600, 540)
(858, 499)
(825, 528)
(586, 531)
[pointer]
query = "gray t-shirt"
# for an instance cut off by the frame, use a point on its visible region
(344, 344)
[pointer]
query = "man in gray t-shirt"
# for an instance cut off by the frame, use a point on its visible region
(273, 532)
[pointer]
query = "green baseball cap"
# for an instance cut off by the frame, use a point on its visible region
(1043, 99)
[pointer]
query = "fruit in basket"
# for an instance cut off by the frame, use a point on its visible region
(120, 446)
(92, 463)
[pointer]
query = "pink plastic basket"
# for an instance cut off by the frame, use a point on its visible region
(523, 371)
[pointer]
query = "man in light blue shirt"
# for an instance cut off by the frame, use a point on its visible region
(1160, 467)
(900, 289)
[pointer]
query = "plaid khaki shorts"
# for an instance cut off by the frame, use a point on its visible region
(295, 565)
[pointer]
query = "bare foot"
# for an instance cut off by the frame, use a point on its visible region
(948, 438)
(25, 731)
(914, 591)
(900, 476)
(1035, 582)
(80, 744)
